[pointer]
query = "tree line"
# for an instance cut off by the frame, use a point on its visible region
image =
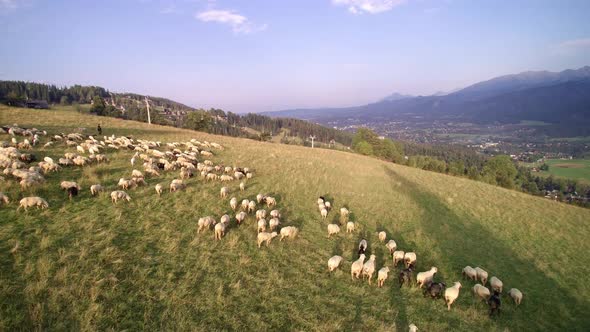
(16, 93)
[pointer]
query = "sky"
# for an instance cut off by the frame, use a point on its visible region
(268, 55)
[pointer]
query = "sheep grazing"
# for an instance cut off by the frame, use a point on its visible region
(406, 276)
(334, 262)
(516, 295)
(273, 223)
(412, 328)
(328, 205)
(451, 294)
(320, 200)
(481, 291)
(205, 223)
(435, 289)
(469, 272)
(289, 231)
(275, 214)
(260, 214)
(482, 275)
(410, 258)
(242, 186)
(261, 225)
(260, 198)
(251, 206)
(357, 267)
(424, 277)
(382, 276)
(496, 284)
(265, 237)
(382, 236)
(398, 256)
(4, 199)
(333, 229)
(65, 185)
(28, 202)
(221, 227)
(95, 189)
(72, 191)
(136, 174)
(363, 245)
(126, 184)
(159, 189)
(119, 194)
(494, 303)
(176, 185)
(240, 217)
(344, 214)
(391, 245)
(245, 204)
(223, 192)
(369, 268)
(324, 213)
(233, 203)
(350, 227)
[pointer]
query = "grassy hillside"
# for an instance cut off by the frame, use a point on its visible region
(90, 265)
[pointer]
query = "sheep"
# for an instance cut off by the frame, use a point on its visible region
(261, 225)
(205, 223)
(245, 204)
(482, 275)
(494, 303)
(324, 213)
(320, 200)
(391, 245)
(334, 262)
(469, 272)
(31, 201)
(223, 192)
(72, 191)
(496, 284)
(139, 181)
(159, 189)
(125, 184)
(398, 256)
(328, 205)
(344, 214)
(260, 214)
(362, 246)
(242, 186)
(289, 231)
(273, 223)
(275, 214)
(95, 189)
(118, 194)
(260, 198)
(220, 228)
(249, 175)
(406, 276)
(382, 276)
(516, 295)
(4, 199)
(350, 227)
(176, 185)
(226, 178)
(451, 294)
(333, 229)
(66, 185)
(413, 328)
(423, 277)
(251, 206)
(270, 201)
(481, 291)
(435, 289)
(410, 258)
(240, 217)
(136, 174)
(233, 203)
(265, 237)
(382, 236)
(211, 176)
(357, 267)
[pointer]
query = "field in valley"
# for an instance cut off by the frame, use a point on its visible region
(87, 264)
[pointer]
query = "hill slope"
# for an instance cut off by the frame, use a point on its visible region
(90, 265)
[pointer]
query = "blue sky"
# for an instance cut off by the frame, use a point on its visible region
(256, 55)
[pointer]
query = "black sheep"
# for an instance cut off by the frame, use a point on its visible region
(406, 276)
(72, 191)
(435, 289)
(494, 303)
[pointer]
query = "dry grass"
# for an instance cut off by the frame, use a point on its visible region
(89, 265)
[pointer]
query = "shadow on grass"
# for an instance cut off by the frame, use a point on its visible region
(451, 233)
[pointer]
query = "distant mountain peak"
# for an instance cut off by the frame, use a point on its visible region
(396, 96)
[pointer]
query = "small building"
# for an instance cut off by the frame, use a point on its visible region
(37, 104)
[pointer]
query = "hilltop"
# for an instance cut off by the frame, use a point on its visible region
(90, 265)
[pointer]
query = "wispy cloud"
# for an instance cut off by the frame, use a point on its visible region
(9, 4)
(573, 46)
(368, 6)
(238, 23)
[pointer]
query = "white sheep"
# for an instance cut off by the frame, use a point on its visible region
(223, 192)
(242, 186)
(469, 272)
(320, 201)
(398, 256)
(410, 258)
(31, 201)
(334, 262)
(423, 278)
(270, 201)
(118, 194)
(251, 206)
(344, 214)
(382, 236)
(324, 213)
(95, 189)
(382, 276)
(328, 205)
(369, 268)
(260, 198)
(357, 267)
(240, 217)
(233, 203)
(391, 245)
(205, 223)
(516, 295)
(220, 228)
(350, 227)
(333, 229)
(273, 223)
(482, 275)
(289, 231)
(159, 189)
(451, 294)
(481, 291)
(260, 214)
(496, 284)
(275, 214)
(265, 237)
(261, 225)
(136, 174)
(245, 204)
(413, 328)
